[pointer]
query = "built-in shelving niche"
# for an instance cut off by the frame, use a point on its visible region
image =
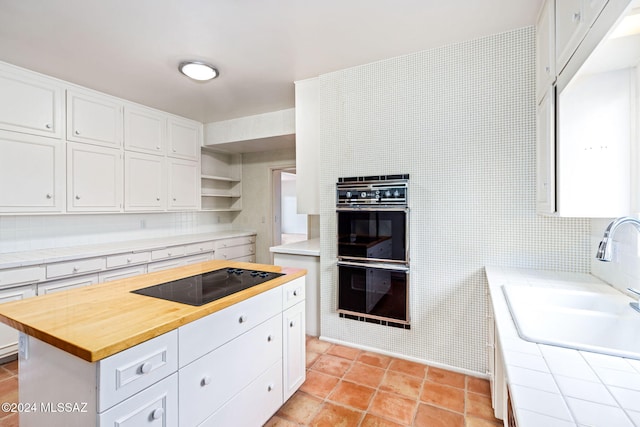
(221, 180)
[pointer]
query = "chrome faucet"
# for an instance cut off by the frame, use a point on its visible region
(604, 248)
(605, 253)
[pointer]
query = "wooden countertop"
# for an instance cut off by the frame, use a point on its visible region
(97, 321)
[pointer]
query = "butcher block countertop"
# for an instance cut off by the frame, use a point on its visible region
(97, 321)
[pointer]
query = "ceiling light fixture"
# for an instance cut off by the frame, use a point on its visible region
(197, 70)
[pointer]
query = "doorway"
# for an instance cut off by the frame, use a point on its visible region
(288, 225)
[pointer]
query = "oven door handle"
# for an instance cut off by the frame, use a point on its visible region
(372, 207)
(382, 266)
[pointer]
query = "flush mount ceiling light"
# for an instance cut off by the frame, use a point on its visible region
(197, 70)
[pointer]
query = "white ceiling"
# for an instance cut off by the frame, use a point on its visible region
(131, 48)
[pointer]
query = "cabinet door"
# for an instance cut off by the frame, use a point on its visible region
(570, 29)
(545, 49)
(30, 104)
(294, 355)
(8, 335)
(184, 188)
(144, 180)
(94, 178)
(184, 139)
(546, 155)
(31, 174)
(144, 130)
(94, 119)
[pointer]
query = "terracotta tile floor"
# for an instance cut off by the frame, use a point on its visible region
(346, 387)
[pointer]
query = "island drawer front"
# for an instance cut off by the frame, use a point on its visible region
(293, 292)
(169, 252)
(235, 252)
(155, 406)
(197, 248)
(17, 276)
(122, 260)
(263, 396)
(136, 368)
(208, 333)
(70, 268)
(236, 241)
(206, 384)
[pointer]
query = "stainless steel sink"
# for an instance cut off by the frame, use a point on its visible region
(592, 321)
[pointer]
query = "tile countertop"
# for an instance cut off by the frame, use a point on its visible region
(36, 257)
(309, 247)
(553, 386)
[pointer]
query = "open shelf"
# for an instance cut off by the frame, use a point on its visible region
(221, 173)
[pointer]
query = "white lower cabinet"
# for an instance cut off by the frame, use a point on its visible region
(191, 376)
(155, 406)
(8, 335)
(294, 356)
(207, 383)
(66, 284)
(264, 395)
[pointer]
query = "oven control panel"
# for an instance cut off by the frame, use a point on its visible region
(372, 192)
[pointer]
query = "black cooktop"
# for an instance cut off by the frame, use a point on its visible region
(204, 288)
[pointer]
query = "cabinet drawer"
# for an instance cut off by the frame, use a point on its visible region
(206, 334)
(194, 259)
(236, 241)
(66, 284)
(155, 406)
(17, 276)
(169, 252)
(248, 258)
(293, 292)
(163, 265)
(121, 273)
(62, 269)
(263, 396)
(136, 368)
(206, 384)
(123, 260)
(199, 247)
(235, 252)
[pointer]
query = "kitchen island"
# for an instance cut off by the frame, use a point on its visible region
(102, 355)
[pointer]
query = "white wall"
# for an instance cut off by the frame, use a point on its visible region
(461, 121)
(32, 232)
(292, 221)
(256, 196)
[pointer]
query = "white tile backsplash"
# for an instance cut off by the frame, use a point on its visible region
(33, 232)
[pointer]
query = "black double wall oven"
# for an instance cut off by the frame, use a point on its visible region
(373, 249)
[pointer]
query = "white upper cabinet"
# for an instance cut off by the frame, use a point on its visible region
(307, 147)
(145, 182)
(545, 49)
(144, 130)
(94, 178)
(94, 119)
(573, 20)
(184, 138)
(31, 173)
(184, 184)
(30, 104)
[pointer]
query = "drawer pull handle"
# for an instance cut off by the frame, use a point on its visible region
(292, 324)
(145, 368)
(295, 293)
(128, 259)
(77, 197)
(157, 413)
(269, 338)
(76, 269)
(49, 196)
(242, 319)
(270, 387)
(77, 132)
(48, 125)
(205, 381)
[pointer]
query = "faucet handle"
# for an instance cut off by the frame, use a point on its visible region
(634, 291)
